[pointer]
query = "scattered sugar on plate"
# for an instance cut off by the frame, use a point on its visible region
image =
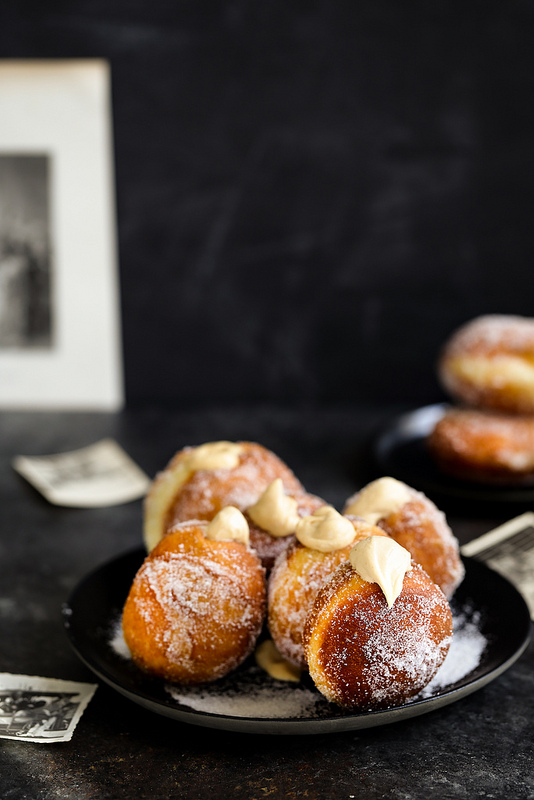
(254, 696)
(466, 650)
(117, 643)
(249, 692)
(246, 694)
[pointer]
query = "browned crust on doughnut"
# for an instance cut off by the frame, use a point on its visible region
(484, 447)
(195, 608)
(298, 574)
(421, 528)
(489, 337)
(176, 495)
(208, 491)
(363, 655)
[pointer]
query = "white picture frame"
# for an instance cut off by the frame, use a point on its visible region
(57, 195)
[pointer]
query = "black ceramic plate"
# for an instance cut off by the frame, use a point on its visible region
(492, 629)
(400, 451)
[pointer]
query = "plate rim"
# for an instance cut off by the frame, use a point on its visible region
(287, 725)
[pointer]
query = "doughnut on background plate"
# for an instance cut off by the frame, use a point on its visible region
(484, 446)
(401, 449)
(489, 363)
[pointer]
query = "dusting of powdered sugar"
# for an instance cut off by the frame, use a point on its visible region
(250, 693)
(464, 656)
(493, 332)
(116, 641)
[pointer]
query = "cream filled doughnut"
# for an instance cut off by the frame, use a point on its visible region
(301, 570)
(484, 447)
(488, 363)
(414, 521)
(199, 481)
(197, 604)
(364, 653)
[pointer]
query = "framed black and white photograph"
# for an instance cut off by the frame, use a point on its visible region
(59, 298)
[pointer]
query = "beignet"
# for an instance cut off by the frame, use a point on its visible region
(364, 655)
(196, 606)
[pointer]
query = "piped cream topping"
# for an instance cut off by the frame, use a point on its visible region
(275, 511)
(228, 525)
(325, 530)
(379, 559)
(269, 659)
(214, 455)
(379, 499)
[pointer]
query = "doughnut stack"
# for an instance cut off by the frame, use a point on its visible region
(241, 559)
(487, 368)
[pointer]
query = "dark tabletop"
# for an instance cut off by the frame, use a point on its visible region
(478, 747)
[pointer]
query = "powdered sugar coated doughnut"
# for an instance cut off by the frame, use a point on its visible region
(195, 608)
(488, 363)
(298, 574)
(363, 655)
(185, 490)
(484, 447)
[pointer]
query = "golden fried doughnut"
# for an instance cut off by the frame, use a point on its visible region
(364, 655)
(199, 481)
(195, 608)
(297, 575)
(415, 523)
(489, 363)
(484, 447)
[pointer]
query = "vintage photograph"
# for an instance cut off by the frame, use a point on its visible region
(509, 549)
(60, 320)
(514, 558)
(99, 475)
(38, 709)
(26, 314)
(28, 713)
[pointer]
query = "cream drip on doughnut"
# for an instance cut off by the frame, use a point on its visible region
(269, 658)
(275, 511)
(325, 530)
(379, 559)
(378, 500)
(213, 455)
(228, 525)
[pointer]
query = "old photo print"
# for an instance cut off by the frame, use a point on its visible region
(60, 322)
(43, 710)
(101, 474)
(26, 314)
(509, 550)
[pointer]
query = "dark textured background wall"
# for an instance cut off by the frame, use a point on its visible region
(311, 196)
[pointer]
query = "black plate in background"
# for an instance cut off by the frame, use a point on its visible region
(400, 451)
(95, 607)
